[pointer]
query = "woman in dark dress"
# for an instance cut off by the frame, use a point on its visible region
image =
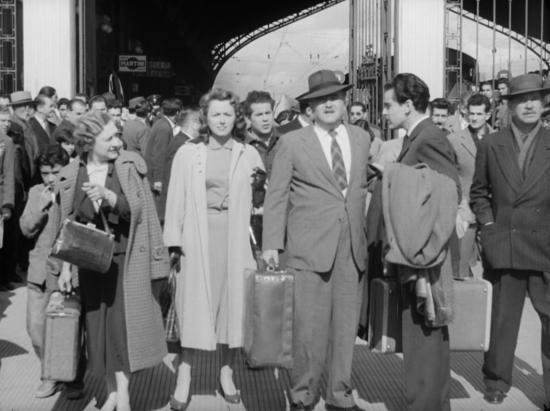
(108, 183)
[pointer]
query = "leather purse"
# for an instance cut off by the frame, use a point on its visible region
(84, 245)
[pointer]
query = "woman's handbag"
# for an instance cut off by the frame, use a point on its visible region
(84, 245)
(171, 329)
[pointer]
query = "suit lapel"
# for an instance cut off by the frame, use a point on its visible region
(540, 163)
(507, 160)
(355, 152)
(314, 149)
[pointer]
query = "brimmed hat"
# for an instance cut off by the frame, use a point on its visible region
(136, 101)
(20, 98)
(323, 83)
(526, 83)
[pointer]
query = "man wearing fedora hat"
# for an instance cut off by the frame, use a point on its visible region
(21, 103)
(510, 196)
(316, 201)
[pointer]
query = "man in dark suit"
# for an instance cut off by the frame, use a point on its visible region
(316, 201)
(303, 119)
(425, 349)
(510, 196)
(135, 132)
(156, 151)
(41, 127)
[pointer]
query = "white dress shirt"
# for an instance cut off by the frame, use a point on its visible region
(342, 139)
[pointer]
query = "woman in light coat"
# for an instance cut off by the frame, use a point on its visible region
(206, 229)
(124, 330)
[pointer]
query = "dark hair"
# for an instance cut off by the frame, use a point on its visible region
(254, 97)
(486, 83)
(171, 106)
(286, 115)
(63, 102)
(143, 109)
(64, 135)
(441, 103)
(82, 97)
(96, 99)
(503, 80)
(219, 94)
(54, 155)
(304, 105)
(364, 124)
(40, 100)
(359, 104)
(47, 91)
(478, 100)
(115, 104)
(407, 86)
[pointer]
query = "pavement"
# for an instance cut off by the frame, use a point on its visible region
(377, 378)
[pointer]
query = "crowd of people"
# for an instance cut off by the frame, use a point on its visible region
(212, 190)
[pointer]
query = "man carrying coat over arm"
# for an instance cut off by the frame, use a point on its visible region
(510, 197)
(316, 198)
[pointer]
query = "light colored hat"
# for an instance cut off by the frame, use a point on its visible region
(19, 98)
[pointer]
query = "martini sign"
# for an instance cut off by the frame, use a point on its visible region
(132, 63)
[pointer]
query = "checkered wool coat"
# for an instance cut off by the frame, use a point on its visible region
(146, 258)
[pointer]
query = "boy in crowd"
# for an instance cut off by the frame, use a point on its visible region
(39, 222)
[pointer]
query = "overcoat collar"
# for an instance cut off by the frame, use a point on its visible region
(415, 133)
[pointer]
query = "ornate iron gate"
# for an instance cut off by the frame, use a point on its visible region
(8, 46)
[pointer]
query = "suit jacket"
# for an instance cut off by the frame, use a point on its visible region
(291, 126)
(518, 206)
(156, 151)
(305, 205)
(466, 151)
(135, 134)
(43, 138)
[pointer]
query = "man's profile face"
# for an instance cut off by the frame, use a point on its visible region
(526, 108)
(261, 118)
(356, 113)
(478, 116)
(503, 89)
(487, 90)
(439, 116)
(46, 108)
(77, 111)
(115, 113)
(99, 106)
(395, 113)
(329, 110)
(5, 122)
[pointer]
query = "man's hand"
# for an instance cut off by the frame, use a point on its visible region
(157, 186)
(64, 280)
(6, 213)
(271, 258)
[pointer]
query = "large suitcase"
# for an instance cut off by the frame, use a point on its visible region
(269, 319)
(61, 348)
(469, 331)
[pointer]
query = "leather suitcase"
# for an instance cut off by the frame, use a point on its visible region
(469, 331)
(269, 319)
(471, 327)
(61, 348)
(384, 334)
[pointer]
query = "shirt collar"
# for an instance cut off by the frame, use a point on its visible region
(416, 123)
(321, 131)
(214, 145)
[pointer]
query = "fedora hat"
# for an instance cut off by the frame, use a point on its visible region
(526, 83)
(19, 98)
(323, 83)
(136, 101)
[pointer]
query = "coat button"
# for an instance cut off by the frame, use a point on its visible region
(142, 248)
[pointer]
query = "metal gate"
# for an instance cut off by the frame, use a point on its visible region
(8, 46)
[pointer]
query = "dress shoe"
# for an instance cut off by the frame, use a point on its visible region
(494, 396)
(231, 399)
(176, 405)
(46, 389)
(329, 407)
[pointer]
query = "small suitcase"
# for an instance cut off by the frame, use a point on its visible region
(385, 316)
(269, 319)
(469, 331)
(61, 348)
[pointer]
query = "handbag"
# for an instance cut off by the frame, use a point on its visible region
(84, 245)
(171, 328)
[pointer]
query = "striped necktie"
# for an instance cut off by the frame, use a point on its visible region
(338, 166)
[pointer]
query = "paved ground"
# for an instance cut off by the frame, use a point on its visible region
(377, 377)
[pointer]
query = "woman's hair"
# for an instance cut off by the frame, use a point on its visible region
(88, 127)
(63, 102)
(64, 136)
(54, 155)
(219, 94)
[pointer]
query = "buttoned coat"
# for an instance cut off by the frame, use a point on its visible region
(146, 258)
(305, 205)
(186, 226)
(519, 206)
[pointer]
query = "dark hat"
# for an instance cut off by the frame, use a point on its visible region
(323, 83)
(154, 99)
(20, 98)
(526, 83)
(136, 101)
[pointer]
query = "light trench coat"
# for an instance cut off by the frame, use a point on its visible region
(186, 226)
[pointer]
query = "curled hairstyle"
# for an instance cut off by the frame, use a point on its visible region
(407, 86)
(88, 127)
(54, 155)
(219, 94)
(255, 97)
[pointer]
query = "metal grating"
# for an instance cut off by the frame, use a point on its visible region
(8, 44)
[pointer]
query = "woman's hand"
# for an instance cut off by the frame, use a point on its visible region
(95, 192)
(64, 281)
(175, 258)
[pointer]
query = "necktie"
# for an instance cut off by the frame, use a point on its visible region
(405, 146)
(338, 166)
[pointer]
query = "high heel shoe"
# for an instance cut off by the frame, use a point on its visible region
(176, 405)
(231, 399)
